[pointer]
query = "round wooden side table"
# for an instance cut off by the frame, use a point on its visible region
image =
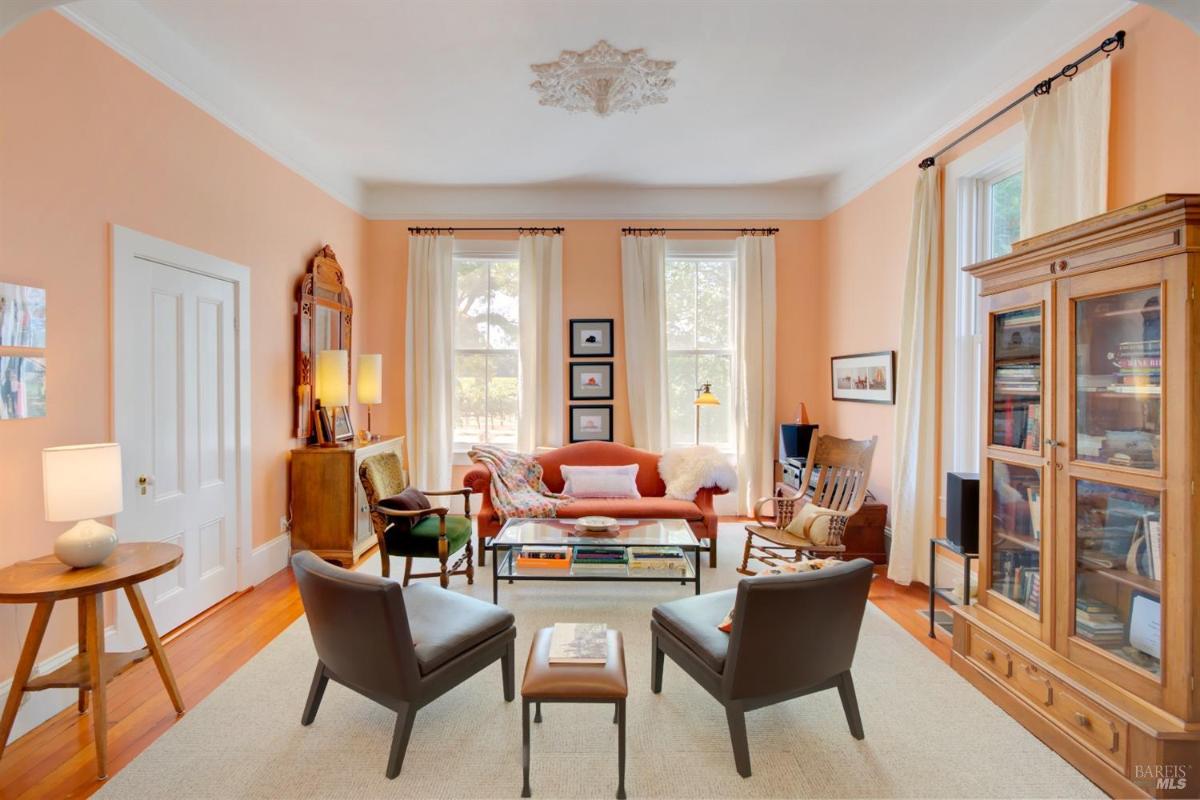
(46, 580)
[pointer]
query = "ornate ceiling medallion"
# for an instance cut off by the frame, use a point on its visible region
(603, 79)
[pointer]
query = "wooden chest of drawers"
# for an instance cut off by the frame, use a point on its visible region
(330, 515)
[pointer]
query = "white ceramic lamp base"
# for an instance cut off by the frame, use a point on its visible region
(86, 544)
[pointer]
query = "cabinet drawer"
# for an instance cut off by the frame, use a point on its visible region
(1087, 722)
(1035, 684)
(991, 655)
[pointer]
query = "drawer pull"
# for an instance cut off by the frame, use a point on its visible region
(1082, 720)
(988, 655)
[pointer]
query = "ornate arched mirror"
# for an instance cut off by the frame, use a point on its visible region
(324, 313)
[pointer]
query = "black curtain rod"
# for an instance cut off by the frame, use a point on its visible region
(452, 230)
(1114, 42)
(664, 231)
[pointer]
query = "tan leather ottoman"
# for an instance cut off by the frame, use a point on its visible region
(574, 683)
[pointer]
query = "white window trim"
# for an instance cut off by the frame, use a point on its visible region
(489, 249)
(717, 250)
(964, 243)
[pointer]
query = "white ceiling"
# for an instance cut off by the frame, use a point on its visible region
(417, 108)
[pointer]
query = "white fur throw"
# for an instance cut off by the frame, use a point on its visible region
(687, 470)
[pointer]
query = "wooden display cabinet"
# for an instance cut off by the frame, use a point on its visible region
(1087, 628)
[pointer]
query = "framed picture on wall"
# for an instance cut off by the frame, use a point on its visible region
(591, 423)
(591, 380)
(591, 337)
(865, 377)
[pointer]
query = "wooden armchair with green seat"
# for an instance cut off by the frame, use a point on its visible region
(406, 525)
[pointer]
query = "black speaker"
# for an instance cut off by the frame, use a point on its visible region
(962, 510)
(794, 440)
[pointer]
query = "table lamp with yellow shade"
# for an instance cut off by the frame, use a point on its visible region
(704, 397)
(331, 390)
(79, 483)
(370, 387)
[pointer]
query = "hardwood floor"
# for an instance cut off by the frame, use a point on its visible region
(57, 759)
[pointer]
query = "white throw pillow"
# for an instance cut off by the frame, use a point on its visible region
(601, 481)
(819, 532)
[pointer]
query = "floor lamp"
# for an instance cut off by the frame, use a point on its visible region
(704, 397)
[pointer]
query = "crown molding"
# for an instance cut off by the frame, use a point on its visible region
(791, 200)
(139, 37)
(1054, 31)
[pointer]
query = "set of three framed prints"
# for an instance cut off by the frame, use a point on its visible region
(591, 380)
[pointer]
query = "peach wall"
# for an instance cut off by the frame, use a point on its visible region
(592, 288)
(88, 140)
(864, 244)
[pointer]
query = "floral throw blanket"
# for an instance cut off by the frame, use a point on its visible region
(517, 487)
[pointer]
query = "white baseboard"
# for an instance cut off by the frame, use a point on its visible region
(269, 557)
(37, 707)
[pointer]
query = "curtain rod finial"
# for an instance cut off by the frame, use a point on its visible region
(926, 162)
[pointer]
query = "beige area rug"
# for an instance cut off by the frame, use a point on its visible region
(928, 732)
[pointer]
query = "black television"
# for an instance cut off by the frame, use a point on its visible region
(794, 440)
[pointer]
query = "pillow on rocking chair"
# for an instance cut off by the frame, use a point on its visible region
(408, 500)
(785, 568)
(818, 534)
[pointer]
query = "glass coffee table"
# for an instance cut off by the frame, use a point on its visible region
(632, 533)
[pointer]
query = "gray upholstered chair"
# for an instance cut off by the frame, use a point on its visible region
(792, 635)
(402, 648)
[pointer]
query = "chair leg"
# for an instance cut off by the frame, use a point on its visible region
(525, 792)
(657, 657)
(507, 662)
(385, 563)
(407, 569)
(736, 717)
(315, 693)
(850, 705)
(471, 565)
(482, 553)
(745, 567)
(403, 729)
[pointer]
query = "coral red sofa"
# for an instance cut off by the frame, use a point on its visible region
(653, 504)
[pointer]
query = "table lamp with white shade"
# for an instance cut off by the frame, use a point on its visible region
(331, 387)
(370, 386)
(79, 483)
(704, 397)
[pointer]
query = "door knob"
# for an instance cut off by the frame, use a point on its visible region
(144, 481)
(1053, 443)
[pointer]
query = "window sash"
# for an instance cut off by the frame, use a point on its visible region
(491, 257)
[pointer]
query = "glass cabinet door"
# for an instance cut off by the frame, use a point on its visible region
(1118, 571)
(1016, 534)
(1118, 379)
(1016, 374)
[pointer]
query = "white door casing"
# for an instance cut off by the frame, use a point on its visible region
(181, 414)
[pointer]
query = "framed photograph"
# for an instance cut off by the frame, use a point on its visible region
(591, 423)
(591, 380)
(22, 316)
(342, 429)
(22, 386)
(591, 337)
(865, 377)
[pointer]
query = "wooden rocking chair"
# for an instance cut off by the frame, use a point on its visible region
(837, 470)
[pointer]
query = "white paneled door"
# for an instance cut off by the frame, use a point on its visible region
(175, 374)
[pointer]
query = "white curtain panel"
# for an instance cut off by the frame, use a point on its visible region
(540, 397)
(914, 466)
(1066, 152)
(644, 297)
(429, 362)
(754, 348)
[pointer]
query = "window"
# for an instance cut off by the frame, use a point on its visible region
(700, 300)
(983, 219)
(486, 342)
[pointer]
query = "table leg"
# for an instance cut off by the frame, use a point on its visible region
(698, 570)
(33, 641)
(95, 657)
(83, 697)
(496, 576)
(146, 623)
(932, 583)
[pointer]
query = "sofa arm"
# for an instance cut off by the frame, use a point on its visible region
(479, 480)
